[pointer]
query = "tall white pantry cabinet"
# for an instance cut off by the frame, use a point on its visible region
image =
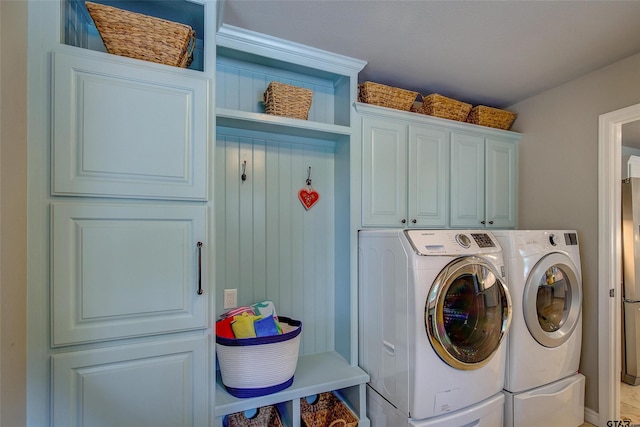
(139, 219)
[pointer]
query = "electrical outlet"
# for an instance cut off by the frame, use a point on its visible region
(230, 298)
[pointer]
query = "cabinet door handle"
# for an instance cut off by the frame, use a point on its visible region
(491, 222)
(483, 222)
(404, 221)
(199, 268)
(415, 221)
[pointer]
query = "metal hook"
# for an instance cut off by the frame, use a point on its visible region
(309, 176)
(244, 171)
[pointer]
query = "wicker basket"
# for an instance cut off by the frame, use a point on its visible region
(281, 99)
(327, 411)
(440, 106)
(267, 416)
(386, 96)
(139, 36)
(491, 117)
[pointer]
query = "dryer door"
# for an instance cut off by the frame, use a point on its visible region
(552, 299)
(467, 313)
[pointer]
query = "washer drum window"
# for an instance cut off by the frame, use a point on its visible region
(467, 313)
(552, 300)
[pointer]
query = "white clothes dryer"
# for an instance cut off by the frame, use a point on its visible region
(434, 313)
(544, 343)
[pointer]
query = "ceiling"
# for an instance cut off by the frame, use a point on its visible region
(494, 53)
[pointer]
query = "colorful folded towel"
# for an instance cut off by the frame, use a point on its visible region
(223, 328)
(238, 311)
(266, 326)
(267, 308)
(243, 325)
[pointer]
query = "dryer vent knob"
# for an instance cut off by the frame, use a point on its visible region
(552, 239)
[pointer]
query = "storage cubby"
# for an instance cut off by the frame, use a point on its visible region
(79, 29)
(268, 245)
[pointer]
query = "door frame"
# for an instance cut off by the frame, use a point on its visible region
(609, 259)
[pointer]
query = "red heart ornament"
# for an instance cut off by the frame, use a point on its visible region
(308, 196)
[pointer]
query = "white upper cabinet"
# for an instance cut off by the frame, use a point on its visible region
(422, 171)
(484, 181)
(128, 131)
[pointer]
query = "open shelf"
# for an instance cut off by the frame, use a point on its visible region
(315, 373)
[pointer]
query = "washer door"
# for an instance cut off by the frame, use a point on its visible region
(552, 299)
(467, 313)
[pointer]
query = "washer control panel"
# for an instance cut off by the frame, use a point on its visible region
(454, 242)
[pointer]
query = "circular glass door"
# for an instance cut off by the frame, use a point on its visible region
(467, 313)
(552, 300)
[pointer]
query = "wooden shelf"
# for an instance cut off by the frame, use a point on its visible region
(281, 125)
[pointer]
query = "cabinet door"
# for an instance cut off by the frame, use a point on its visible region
(467, 180)
(126, 270)
(501, 183)
(384, 172)
(160, 383)
(128, 131)
(428, 172)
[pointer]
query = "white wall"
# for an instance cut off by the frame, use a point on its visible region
(13, 212)
(558, 179)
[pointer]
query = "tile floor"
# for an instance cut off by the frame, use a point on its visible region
(629, 404)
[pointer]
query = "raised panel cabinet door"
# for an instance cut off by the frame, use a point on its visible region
(467, 180)
(501, 183)
(128, 130)
(428, 173)
(126, 270)
(161, 384)
(384, 172)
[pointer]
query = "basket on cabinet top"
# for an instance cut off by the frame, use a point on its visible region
(386, 96)
(437, 105)
(139, 36)
(491, 117)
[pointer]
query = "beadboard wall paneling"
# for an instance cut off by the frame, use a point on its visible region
(271, 247)
(239, 87)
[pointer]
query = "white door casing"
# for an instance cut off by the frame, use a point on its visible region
(609, 258)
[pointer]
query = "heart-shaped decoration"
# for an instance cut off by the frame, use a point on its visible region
(308, 196)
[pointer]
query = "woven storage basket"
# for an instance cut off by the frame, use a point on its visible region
(252, 367)
(281, 99)
(139, 36)
(327, 411)
(492, 117)
(267, 416)
(386, 96)
(447, 108)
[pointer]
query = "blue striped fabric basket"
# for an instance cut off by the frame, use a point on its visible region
(252, 367)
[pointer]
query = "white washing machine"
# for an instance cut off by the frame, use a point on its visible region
(434, 313)
(542, 383)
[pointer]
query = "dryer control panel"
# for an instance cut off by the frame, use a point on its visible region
(452, 242)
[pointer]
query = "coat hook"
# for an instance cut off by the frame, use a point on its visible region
(244, 171)
(309, 176)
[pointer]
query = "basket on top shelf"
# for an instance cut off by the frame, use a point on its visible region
(491, 117)
(266, 416)
(440, 106)
(139, 36)
(281, 99)
(386, 96)
(327, 411)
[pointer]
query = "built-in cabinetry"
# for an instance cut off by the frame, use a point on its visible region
(268, 246)
(153, 189)
(122, 198)
(426, 172)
